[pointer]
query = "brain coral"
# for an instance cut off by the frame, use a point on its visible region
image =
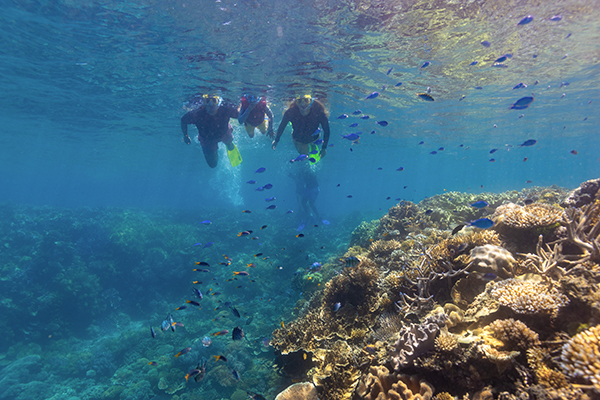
(492, 259)
(581, 357)
(380, 384)
(526, 217)
(529, 297)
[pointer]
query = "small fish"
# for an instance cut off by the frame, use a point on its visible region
(522, 103)
(192, 373)
(365, 117)
(479, 204)
(258, 254)
(207, 222)
(263, 227)
(217, 358)
(425, 64)
(529, 181)
(488, 277)
(351, 262)
(457, 229)
(372, 95)
(251, 265)
(428, 212)
(501, 59)
(192, 302)
(356, 112)
(238, 333)
(260, 170)
(209, 244)
(382, 123)
(241, 273)
(272, 207)
(235, 312)
(244, 233)
(202, 263)
(528, 201)
(251, 182)
(478, 87)
(349, 196)
(425, 96)
(351, 136)
(574, 152)
(474, 63)
(400, 169)
(182, 352)
(198, 244)
(441, 149)
(206, 341)
(482, 223)
(268, 199)
(201, 270)
(247, 211)
(259, 189)
(556, 18)
(462, 97)
(433, 152)
(526, 20)
(317, 132)
(336, 306)
(485, 43)
(235, 374)
(421, 142)
(282, 324)
(525, 159)
(354, 125)
(268, 186)
(153, 363)
(343, 116)
(390, 70)
(221, 333)
(492, 151)
(398, 84)
(181, 308)
(318, 142)
(152, 332)
(300, 235)
(519, 85)
(528, 143)
(492, 160)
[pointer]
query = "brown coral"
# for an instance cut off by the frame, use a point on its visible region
(529, 297)
(581, 357)
(491, 259)
(380, 384)
(446, 342)
(382, 248)
(304, 390)
(397, 220)
(534, 215)
(514, 334)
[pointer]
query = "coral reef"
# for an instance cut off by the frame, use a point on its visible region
(580, 357)
(584, 194)
(380, 384)
(491, 259)
(396, 222)
(531, 216)
(529, 297)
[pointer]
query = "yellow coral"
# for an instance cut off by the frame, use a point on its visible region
(443, 396)
(446, 342)
(534, 215)
(380, 384)
(581, 357)
(514, 333)
(529, 297)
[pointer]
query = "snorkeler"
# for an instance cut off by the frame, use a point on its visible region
(306, 115)
(307, 190)
(255, 113)
(212, 121)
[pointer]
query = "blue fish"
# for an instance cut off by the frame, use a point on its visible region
(520, 85)
(351, 136)
(492, 160)
(365, 117)
(343, 116)
(260, 170)
(272, 207)
(478, 87)
(373, 132)
(492, 151)
(398, 84)
(197, 292)
(315, 151)
(317, 132)
(354, 125)
(526, 20)
(251, 182)
(382, 123)
(441, 149)
(209, 244)
(489, 276)
(482, 223)
(425, 64)
(207, 222)
(268, 186)
(556, 18)
(259, 189)
(421, 142)
(318, 142)
(198, 244)
(400, 169)
(372, 95)
(299, 158)
(474, 63)
(390, 70)
(336, 306)
(501, 59)
(522, 103)
(485, 43)
(433, 152)
(270, 199)
(528, 143)
(356, 112)
(479, 204)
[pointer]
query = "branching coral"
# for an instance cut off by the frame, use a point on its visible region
(446, 342)
(515, 334)
(416, 339)
(380, 384)
(580, 357)
(583, 230)
(529, 297)
(398, 219)
(534, 215)
(382, 248)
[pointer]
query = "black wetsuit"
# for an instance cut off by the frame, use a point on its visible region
(303, 127)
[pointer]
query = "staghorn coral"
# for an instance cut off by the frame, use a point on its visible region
(380, 384)
(583, 230)
(492, 259)
(514, 334)
(416, 339)
(529, 297)
(531, 216)
(580, 357)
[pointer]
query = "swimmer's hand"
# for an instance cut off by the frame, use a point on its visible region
(274, 145)
(270, 133)
(187, 140)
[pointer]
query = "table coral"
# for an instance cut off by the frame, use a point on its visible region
(492, 259)
(581, 357)
(380, 384)
(534, 215)
(529, 297)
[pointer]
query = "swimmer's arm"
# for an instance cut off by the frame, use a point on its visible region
(270, 117)
(243, 116)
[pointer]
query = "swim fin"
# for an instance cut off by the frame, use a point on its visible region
(235, 158)
(314, 154)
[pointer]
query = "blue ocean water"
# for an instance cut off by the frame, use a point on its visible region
(102, 202)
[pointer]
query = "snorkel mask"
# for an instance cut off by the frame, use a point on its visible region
(252, 99)
(304, 102)
(212, 103)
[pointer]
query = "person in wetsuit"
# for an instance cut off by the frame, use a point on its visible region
(307, 191)
(306, 115)
(255, 113)
(212, 121)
